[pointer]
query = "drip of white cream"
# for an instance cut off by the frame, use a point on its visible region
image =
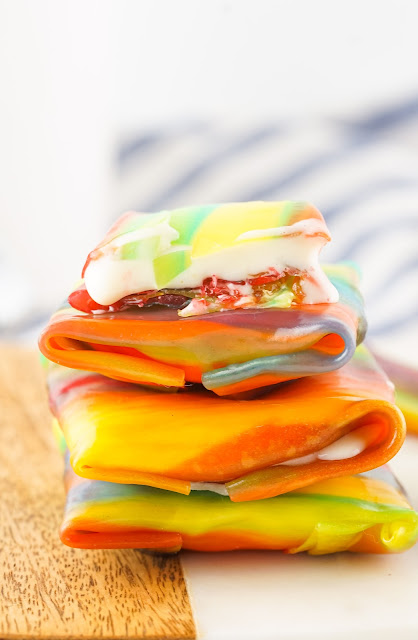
(307, 227)
(162, 230)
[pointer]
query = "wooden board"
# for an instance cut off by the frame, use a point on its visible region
(48, 590)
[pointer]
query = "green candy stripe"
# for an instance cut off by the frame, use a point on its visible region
(185, 221)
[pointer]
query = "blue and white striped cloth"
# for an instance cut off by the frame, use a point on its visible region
(361, 173)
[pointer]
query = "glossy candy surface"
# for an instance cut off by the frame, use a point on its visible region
(364, 513)
(228, 352)
(126, 433)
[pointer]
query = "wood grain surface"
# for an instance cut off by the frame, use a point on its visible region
(48, 590)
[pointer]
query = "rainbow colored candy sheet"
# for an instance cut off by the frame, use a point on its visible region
(363, 513)
(228, 352)
(405, 379)
(251, 449)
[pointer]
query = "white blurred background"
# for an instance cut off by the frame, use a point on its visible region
(80, 79)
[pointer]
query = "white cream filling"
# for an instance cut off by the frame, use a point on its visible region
(108, 279)
(215, 487)
(346, 447)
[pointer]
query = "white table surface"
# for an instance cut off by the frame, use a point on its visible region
(265, 595)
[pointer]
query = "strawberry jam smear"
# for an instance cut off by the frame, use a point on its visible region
(213, 289)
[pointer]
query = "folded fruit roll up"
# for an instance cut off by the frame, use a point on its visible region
(303, 431)
(365, 513)
(228, 351)
(232, 296)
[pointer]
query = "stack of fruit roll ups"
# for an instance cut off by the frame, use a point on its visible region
(238, 311)
(211, 392)
(303, 431)
(364, 513)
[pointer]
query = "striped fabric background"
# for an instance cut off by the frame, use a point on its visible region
(361, 173)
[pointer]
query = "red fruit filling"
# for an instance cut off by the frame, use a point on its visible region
(213, 289)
